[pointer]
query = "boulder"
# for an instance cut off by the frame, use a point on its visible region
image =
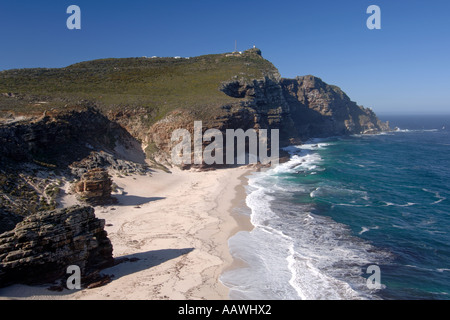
(41, 247)
(95, 187)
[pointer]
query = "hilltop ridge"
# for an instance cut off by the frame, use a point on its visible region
(156, 84)
(151, 97)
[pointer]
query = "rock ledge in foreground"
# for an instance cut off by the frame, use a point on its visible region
(41, 247)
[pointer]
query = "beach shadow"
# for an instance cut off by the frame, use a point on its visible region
(136, 262)
(125, 265)
(128, 200)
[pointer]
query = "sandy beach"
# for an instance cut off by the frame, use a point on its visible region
(173, 228)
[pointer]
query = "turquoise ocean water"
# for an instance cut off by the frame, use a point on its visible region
(343, 204)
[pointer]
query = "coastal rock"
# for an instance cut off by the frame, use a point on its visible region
(299, 108)
(103, 159)
(57, 140)
(95, 187)
(262, 106)
(41, 247)
(322, 110)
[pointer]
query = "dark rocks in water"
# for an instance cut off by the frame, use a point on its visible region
(41, 247)
(95, 187)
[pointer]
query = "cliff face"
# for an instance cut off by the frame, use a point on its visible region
(301, 108)
(259, 104)
(263, 107)
(8, 220)
(39, 153)
(61, 138)
(321, 110)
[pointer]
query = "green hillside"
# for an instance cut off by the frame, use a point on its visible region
(159, 84)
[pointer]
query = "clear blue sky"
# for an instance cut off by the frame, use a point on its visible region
(402, 68)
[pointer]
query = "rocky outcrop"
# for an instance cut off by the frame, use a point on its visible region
(95, 187)
(103, 159)
(263, 107)
(300, 108)
(303, 107)
(59, 140)
(41, 247)
(320, 110)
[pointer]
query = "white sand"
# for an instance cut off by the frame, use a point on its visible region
(177, 225)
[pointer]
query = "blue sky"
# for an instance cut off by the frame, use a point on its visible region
(402, 68)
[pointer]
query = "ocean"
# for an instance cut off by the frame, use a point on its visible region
(342, 204)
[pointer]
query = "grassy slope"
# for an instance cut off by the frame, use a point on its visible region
(158, 84)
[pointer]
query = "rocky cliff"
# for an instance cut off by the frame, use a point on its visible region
(41, 247)
(40, 151)
(301, 108)
(60, 138)
(144, 100)
(320, 110)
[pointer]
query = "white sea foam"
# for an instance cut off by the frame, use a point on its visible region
(363, 230)
(292, 253)
(416, 130)
(440, 200)
(339, 192)
(366, 229)
(388, 204)
(437, 195)
(312, 144)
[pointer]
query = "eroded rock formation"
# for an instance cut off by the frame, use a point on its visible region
(95, 187)
(41, 247)
(103, 159)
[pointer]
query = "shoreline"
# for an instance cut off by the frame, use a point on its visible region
(243, 221)
(175, 228)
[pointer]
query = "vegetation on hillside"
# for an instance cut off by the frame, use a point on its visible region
(157, 84)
